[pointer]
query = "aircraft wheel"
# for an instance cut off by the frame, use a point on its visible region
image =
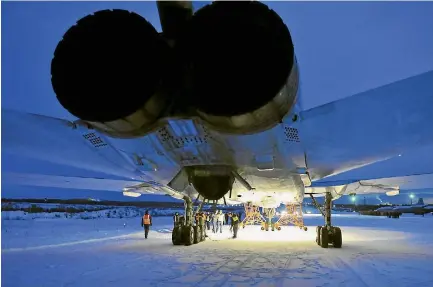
(197, 233)
(318, 230)
(278, 228)
(305, 228)
(262, 228)
(176, 236)
(203, 233)
(337, 239)
(189, 235)
(324, 237)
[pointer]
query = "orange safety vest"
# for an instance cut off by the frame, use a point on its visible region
(146, 219)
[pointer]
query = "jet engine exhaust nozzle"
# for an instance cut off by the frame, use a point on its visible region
(243, 66)
(108, 70)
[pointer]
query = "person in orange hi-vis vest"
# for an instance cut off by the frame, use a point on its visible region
(146, 222)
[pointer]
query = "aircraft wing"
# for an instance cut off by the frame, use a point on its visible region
(391, 186)
(43, 151)
(368, 127)
(62, 142)
(90, 183)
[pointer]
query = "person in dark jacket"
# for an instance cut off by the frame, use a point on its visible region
(146, 222)
(235, 224)
(226, 218)
(208, 219)
(231, 221)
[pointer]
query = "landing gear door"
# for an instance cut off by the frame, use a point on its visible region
(180, 181)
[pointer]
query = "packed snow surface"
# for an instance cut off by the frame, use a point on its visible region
(377, 251)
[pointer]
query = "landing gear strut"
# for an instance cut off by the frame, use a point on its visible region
(185, 231)
(327, 234)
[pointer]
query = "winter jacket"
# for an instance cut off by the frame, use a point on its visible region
(146, 220)
(221, 217)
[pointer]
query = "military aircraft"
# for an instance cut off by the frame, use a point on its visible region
(209, 110)
(419, 208)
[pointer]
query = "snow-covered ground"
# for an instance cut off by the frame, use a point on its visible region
(376, 251)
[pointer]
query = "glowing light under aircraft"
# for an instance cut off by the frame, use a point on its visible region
(294, 235)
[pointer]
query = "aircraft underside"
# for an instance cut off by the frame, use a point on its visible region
(209, 111)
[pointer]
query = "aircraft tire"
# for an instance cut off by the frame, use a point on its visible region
(188, 233)
(197, 234)
(324, 237)
(203, 233)
(176, 236)
(318, 228)
(337, 239)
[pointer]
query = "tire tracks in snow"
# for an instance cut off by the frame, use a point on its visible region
(346, 266)
(227, 277)
(215, 271)
(366, 262)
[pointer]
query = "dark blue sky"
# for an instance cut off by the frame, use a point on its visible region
(343, 48)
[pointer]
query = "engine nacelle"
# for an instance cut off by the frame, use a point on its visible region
(109, 70)
(235, 63)
(244, 71)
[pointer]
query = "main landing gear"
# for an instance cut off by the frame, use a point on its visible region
(185, 230)
(327, 234)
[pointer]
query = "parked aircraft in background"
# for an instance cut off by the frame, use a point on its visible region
(418, 208)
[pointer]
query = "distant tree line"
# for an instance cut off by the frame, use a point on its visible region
(92, 202)
(144, 204)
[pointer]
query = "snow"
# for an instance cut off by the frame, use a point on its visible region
(377, 251)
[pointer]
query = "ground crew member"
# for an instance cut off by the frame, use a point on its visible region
(235, 224)
(201, 222)
(231, 221)
(214, 221)
(208, 219)
(197, 218)
(176, 218)
(226, 217)
(220, 220)
(146, 222)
